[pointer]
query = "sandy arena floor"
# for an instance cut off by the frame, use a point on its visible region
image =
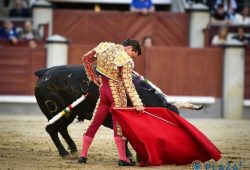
(24, 144)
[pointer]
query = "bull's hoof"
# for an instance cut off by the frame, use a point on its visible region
(74, 155)
(82, 160)
(67, 157)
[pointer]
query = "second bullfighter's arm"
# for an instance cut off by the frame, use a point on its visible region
(88, 60)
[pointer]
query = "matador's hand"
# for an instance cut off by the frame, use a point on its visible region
(139, 108)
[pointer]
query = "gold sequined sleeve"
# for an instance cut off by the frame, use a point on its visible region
(129, 86)
(87, 61)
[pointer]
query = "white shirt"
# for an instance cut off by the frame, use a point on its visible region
(217, 41)
(239, 19)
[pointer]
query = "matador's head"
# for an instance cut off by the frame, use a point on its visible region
(132, 47)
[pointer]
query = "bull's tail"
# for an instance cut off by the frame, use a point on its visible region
(41, 72)
(186, 105)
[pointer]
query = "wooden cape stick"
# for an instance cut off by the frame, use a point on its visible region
(150, 114)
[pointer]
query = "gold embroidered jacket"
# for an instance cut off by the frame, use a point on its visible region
(113, 62)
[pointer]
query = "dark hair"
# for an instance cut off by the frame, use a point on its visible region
(134, 43)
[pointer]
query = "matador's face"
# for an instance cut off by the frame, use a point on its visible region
(131, 52)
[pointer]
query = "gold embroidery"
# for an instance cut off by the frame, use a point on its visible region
(120, 99)
(118, 129)
(110, 58)
(129, 86)
(88, 60)
(121, 57)
(118, 93)
(102, 47)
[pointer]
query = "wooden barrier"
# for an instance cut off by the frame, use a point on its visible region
(17, 67)
(88, 27)
(76, 51)
(177, 71)
(185, 71)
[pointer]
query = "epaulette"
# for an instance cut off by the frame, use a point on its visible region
(122, 58)
(102, 47)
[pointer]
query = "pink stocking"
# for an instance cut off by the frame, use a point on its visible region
(86, 142)
(120, 144)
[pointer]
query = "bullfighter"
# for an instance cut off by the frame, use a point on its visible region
(113, 74)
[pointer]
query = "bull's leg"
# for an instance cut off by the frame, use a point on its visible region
(54, 136)
(72, 146)
(188, 106)
(128, 152)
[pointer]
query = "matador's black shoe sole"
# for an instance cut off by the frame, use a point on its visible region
(82, 160)
(124, 163)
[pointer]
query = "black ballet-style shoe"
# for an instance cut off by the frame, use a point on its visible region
(124, 163)
(82, 160)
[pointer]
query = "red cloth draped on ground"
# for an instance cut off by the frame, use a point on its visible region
(158, 142)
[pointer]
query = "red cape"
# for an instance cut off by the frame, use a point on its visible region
(157, 142)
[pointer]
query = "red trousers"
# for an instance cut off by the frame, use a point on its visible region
(104, 103)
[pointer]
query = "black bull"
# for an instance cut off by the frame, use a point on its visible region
(59, 86)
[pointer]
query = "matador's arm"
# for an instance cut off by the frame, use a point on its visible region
(128, 84)
(88, 60)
